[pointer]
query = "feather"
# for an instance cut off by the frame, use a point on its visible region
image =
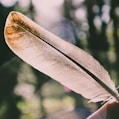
(62, 61)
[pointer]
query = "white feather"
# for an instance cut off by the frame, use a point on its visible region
(56, 58)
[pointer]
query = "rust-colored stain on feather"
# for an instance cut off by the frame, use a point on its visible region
(16, 29)
(20, 20)
(13, 29)
(13, 34)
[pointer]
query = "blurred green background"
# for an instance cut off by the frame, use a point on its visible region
(92, 25)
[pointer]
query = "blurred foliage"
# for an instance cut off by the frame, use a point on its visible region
(92, 25)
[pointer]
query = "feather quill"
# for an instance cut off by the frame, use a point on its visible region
(62, 61)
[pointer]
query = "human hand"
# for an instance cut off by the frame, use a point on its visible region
(109, 111)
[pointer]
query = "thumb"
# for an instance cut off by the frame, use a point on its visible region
(110, 110)
(113, 111)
